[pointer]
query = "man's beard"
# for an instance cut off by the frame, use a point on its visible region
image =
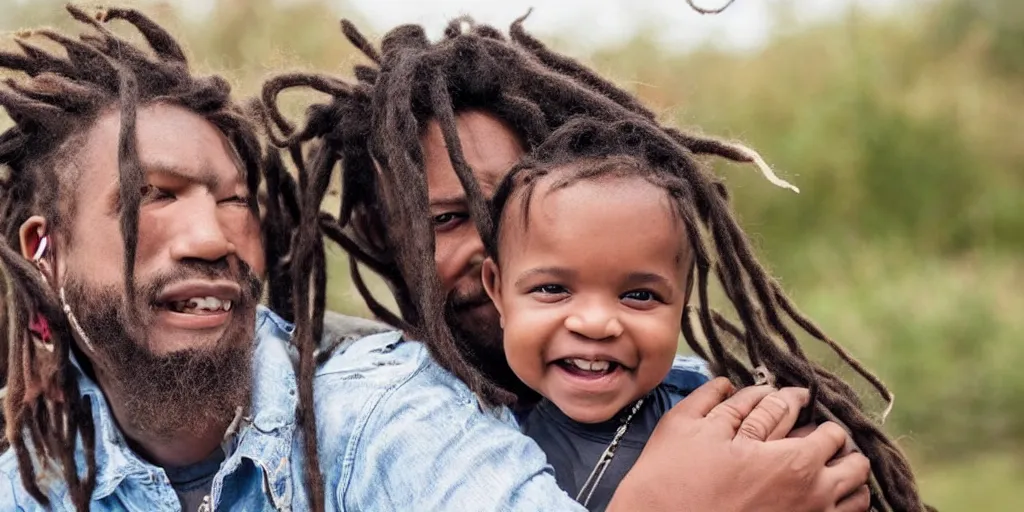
(183, 392)
(481, 339)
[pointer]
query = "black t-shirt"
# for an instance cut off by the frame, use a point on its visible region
(574, 448)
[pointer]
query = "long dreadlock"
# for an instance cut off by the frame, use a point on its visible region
(588, 149)
(52, 107)
(383, 220)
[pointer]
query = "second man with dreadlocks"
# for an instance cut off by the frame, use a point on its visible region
(423, 139)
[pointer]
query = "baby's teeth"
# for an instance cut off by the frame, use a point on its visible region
(582, 364)
(592, 366)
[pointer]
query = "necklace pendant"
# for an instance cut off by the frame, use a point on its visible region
(587, 491)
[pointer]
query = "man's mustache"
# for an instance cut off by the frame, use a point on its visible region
(249, 282)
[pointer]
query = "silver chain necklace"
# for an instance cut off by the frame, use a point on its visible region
(606, 458)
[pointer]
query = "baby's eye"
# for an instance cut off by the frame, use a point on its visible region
(236, 200)
(642, 299)
(549, 289)
(640, 295)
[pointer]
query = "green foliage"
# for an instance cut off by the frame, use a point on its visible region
(906, 136)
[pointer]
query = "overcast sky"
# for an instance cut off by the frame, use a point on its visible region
(745, 24)
(591, 23)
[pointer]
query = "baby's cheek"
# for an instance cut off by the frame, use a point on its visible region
(658, 350)
(524, 354)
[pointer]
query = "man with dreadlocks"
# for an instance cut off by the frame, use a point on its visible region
(446, 122)
(143, 375)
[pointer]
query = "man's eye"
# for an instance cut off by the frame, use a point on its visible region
(448, 219)
(153, 193)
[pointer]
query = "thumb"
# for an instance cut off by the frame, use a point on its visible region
(702, 400)
(774, 416)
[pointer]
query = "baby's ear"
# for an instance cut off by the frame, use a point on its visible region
(491, 276)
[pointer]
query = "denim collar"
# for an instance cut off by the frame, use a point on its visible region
(264, 437)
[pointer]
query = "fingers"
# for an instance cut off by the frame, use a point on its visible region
(705, 398)
(848, 473)
(826, 441)
(801, 432)
(859, 501)
(775, 415)
(848, 447)
(729, 415)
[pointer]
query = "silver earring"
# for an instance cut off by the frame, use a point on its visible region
(74, 321)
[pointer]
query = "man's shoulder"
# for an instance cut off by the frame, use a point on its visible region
(8, 471)
(386, 355)
(386, 409)
(691, 364)
(374, 374)
(687, 374)
(359, 362)
(339, 332)
(374, 391)
(382, 372)
(12, 492)
(339, 329)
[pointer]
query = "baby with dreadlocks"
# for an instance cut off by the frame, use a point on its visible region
(591, 270)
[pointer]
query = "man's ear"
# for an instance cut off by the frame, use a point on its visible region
(31, 236)
(491, 276)
(38, 245)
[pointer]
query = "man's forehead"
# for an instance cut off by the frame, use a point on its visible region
(170, 140)
(168, 168)
(489, 146)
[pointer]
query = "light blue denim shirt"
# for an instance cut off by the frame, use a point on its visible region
(396, 432)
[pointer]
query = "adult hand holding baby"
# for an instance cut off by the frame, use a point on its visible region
(725, 451)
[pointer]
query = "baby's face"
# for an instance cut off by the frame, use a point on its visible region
(591, 290)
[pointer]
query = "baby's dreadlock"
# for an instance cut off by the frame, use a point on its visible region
(586, 149)
(52, 108)
(383, 221)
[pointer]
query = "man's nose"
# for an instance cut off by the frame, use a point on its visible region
(472, 254)
(200, 234)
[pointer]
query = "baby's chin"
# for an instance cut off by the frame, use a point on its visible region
(581, 415)
(588, 411)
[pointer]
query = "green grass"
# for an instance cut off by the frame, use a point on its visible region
(989, 482)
